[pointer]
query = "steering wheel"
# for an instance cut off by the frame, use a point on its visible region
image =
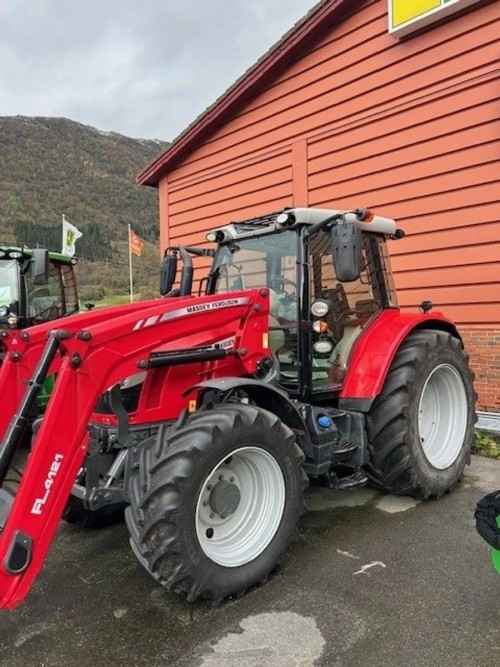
(285, 298)
(283, 304)
(278, 282)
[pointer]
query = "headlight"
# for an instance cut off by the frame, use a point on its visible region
(15, 254)
(285, 219)
(320, 308)
(323, 347)
(12, 320)
(320, 326)
(218, 236)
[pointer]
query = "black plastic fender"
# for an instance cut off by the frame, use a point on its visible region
(266, 396)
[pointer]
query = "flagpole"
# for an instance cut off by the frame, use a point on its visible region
(130, 264)
(63, 219)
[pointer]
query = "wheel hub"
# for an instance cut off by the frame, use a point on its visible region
(225, 498)
(240, 506)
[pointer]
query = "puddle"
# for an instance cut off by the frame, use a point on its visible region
(470, 480)
(395, 504)
(319, 498)
(280, 639)
(322, 498)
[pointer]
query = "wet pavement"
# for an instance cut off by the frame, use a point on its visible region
(371, 580)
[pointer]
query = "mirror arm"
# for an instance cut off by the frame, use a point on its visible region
(318, 226)
(187, 272)
(200, 252)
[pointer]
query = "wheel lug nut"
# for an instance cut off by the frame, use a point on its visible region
(221, 477)
(205, 503)
(209, 487)
(212, 515)
(231, 479)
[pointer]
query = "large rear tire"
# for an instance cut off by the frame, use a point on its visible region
(216, 501)
(421, 427)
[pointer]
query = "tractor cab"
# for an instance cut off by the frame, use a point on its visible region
(328, 276)
(36, 286)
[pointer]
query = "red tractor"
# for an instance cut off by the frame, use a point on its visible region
(204, 416)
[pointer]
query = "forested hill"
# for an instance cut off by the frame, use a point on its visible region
(55, 166)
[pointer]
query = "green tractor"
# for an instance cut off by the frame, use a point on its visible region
(36, 286)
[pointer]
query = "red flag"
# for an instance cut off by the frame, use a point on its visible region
(136, 244)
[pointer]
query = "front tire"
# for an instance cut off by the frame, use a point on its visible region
(421, 426)
(216, 501)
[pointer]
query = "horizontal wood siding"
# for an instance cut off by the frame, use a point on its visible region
(245, 190)
(409, 128)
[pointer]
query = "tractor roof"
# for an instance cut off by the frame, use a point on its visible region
(270, 222)
(27, 252)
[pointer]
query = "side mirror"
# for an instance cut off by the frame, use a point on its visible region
(168, 271)
(346, 251)
(40, 266)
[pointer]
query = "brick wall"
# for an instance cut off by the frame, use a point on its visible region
(483, 346)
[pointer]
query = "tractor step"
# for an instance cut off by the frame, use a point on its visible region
(348, 482)
(345, 447)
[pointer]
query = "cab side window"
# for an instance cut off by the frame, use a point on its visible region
(46, 302)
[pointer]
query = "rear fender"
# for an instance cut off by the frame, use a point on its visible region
(266, 396)
(375, 350)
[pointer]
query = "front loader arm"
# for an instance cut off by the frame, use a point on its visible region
(22, 350)
(92, 360)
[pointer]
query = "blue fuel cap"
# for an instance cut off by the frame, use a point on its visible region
(324, 421)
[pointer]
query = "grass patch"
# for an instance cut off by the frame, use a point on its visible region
(115, 300)
(486, 444)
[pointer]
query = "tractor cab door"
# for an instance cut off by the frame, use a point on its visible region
(351, 307)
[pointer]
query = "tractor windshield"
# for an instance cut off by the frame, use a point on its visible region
(259, 262)
(9, 289)
(266, 261)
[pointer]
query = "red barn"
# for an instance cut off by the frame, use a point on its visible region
(388, 104)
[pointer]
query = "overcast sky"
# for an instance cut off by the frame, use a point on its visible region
(144, 69)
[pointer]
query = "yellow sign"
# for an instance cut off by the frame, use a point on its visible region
(402, 12)
(407, 16)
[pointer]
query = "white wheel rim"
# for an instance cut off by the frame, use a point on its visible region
(442, 416)
(244, 534)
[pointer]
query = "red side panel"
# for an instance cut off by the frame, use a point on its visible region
(372, 355)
